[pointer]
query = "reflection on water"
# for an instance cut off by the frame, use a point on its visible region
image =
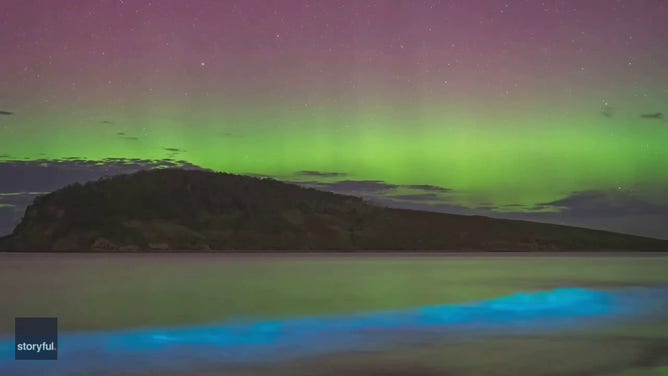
(249, 343)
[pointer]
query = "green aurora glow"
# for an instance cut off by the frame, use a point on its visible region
(518, 164)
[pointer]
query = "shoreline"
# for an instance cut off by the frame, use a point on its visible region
(344, 254)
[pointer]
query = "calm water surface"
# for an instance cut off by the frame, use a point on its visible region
(340, 314)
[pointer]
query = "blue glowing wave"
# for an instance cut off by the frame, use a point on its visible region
(224, 344)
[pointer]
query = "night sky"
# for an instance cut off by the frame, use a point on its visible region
(540, 110)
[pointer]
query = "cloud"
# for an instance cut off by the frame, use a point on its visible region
(599, 210)
(606, 203)
(227, 134)
(125, 136)
(607, 111)
(609, 210)
(657, 116)
(319, 174)
(354, 186)
(260, 176)
(604, 210)
(371, 190)
(412, 196)
(375, 191)
(430, 188)
(49, 175)
(419, 197)
(174, 150)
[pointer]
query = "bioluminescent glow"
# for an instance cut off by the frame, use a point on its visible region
(257, 342)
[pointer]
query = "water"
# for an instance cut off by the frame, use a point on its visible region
(266, 314)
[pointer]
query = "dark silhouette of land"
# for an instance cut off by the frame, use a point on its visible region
(172, 209)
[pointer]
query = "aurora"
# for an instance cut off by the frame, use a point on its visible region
(514, 107)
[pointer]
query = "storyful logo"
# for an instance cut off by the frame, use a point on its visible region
(36, 338)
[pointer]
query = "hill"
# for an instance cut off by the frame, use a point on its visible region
(171, 209)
